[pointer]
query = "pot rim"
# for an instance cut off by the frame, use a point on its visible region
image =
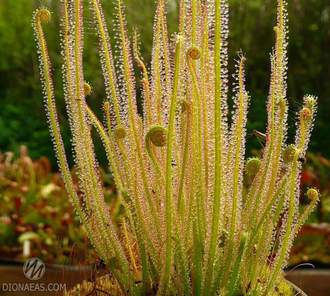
(302, 293)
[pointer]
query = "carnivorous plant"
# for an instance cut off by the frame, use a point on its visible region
(189, 227)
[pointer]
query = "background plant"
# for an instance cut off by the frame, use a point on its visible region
(37, 219)
(179, 168)
(308, 246)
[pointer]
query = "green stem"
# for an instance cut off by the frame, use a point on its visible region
(170, 133)
(107, 55)
(181, 197)
(218, 151)
(238, 142)
(235, 275)
(108, 145)
(198, 160)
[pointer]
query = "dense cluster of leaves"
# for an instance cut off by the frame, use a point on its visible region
(188, 228)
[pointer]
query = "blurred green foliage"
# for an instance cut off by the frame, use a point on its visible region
(22, 116)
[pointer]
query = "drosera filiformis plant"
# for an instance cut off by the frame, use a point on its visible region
(188, 229)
